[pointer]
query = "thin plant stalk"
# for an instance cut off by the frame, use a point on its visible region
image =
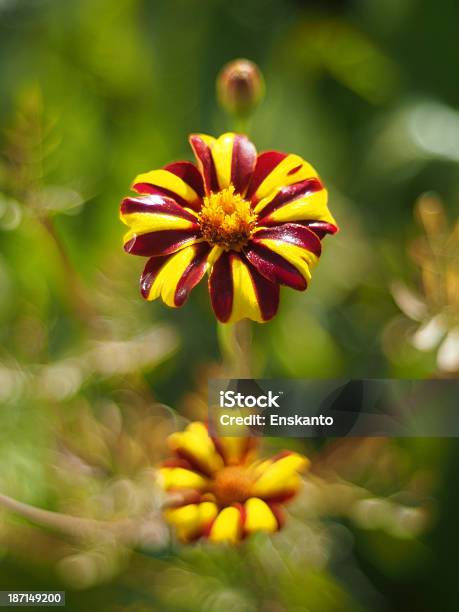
(236, 346)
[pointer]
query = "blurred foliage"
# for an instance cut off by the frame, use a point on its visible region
(96, 91)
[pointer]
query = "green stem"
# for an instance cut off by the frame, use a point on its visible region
(242, 124)
(236, 347)
(83, 308)
(147, 529)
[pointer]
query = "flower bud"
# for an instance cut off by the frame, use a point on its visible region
(240, 87)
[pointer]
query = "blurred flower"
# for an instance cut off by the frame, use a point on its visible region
(437, 309)
(62, 379)
(254, 222)
(233, 494)
(240, 87)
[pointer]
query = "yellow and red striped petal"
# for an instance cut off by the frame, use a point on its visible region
(238, 290)
(201, 145)
(275, 170)
(227, 160)
(278, 478)
(195, 445)
(172, 277)
(285, 254)
(265, 164)
(181, 478)
(180, 181)
(228, 526)
(157, 225)
(192, 520)
(304, 202)
(259, 517)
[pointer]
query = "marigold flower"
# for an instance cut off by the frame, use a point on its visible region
(232, 494)
(253, 222)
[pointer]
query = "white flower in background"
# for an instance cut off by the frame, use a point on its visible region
(436, 308)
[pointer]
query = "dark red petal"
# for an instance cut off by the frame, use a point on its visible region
(155, 204)
(266, 162)
(175, 462)
(320, 228)
(189, 174)
(290, 194)
(274, 267)
(206, 163)
(193, 274)
(293, 233)
(221, 287)
(242, 513)
(280, 455)
(278, 512)
(244, 157)
(281, 498)
(267, 293)
(163, 242)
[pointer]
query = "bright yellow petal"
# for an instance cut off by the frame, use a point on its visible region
(170, 181)
(280, 476)
(259, 516)
(190, 521)
(214, 254)
(227, 526)
(181, 478)
(196, 444)
(312, 207)
(222, 154)
(245, 302)
(142, 223)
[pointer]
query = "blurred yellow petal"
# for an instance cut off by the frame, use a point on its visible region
(234, 450)
(227, 526)
(198, 428)
(279, 477)
(260, 466)
(208, 511)
(195, 444)
(259, 517)
(190, 521)
(180, 478)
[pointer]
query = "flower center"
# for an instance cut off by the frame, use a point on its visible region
(227, 219)
(232, 484)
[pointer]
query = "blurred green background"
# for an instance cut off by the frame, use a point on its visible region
(94, 92)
